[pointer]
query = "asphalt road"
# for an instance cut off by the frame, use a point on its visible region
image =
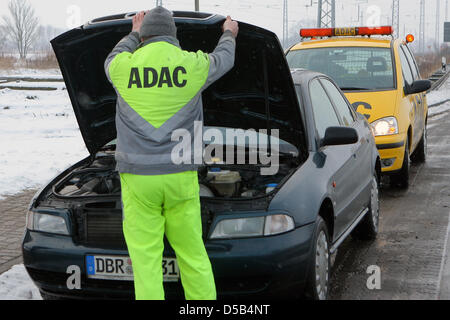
(411, 249)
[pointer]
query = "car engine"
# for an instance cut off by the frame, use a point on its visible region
(216, 181)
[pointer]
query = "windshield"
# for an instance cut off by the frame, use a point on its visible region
(353, 68)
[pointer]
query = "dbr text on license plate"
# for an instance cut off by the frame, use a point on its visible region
(119, 268)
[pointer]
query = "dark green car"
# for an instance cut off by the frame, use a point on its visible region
(266, 235)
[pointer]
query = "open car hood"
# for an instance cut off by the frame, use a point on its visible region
(258, 93)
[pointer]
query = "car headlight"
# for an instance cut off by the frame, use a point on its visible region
(278, 224)
(253, 227)
(46, 223)
(385, 127)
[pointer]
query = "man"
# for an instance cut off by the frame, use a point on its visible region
(159, 89)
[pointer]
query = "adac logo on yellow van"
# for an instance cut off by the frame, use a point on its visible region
(381, 79)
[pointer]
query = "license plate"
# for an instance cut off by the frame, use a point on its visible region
(120, 268)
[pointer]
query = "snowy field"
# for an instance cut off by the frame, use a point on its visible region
(31, 85)
(32, 73)
(39, 138)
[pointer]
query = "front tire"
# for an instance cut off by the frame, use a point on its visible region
(420, 154)
(368, 227)
(318, 283)
(401, 179)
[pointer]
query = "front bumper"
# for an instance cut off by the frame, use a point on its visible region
(392, 152)
(258, 267)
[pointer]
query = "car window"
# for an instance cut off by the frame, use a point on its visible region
(407, 74)
(352, 68)
(324, 113)
(412, 63)
(341, 105)
(298, 90)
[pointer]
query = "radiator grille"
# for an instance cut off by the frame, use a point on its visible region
(105, 228)
(101, 224)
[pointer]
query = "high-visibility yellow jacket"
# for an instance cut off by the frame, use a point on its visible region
(159, 89)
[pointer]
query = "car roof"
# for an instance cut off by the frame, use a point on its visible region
(344, 42)
(302, 76)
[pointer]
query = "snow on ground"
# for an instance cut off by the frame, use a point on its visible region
(439, 95)
(32, 73)
(439, 109)
(21, 84)
(16, 284)
(39, 138)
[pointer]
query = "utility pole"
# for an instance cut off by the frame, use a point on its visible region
(446, 10)
(197, 5)
(326, 15)
(159, 3)
(438, 23)
(422, 26)
(285, 23)
(361, 16)
(396, 18)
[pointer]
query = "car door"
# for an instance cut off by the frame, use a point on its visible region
(412, 99)
(420, 97)
(339, 160)
(360, 175)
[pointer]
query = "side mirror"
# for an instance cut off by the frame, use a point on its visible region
(337, 136)
(418, 87)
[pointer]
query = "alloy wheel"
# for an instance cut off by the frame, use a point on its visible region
(375, 203)
(322, 266)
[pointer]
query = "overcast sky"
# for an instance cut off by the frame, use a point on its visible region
(265, 13)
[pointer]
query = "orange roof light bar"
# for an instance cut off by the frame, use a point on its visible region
(355, 31)
(311, 33)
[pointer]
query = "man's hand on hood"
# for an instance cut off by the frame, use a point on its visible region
(137, 21)
(232, 26)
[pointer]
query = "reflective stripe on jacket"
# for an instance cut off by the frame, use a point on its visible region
(159, 89)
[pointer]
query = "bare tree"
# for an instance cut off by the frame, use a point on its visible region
(3, 40)
(21, 27)
(44, 34)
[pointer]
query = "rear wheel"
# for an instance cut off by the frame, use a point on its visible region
(319, 275)
(401, 179)
(368, 227)
(420, 154)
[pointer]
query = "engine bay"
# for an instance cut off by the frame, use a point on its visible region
(100, 178)
(238, 181)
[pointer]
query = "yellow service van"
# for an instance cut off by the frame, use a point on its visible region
(381, 79)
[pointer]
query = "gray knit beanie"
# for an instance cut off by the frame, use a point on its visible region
(158, 22)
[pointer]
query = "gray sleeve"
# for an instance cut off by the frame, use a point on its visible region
(222, 59)
(127, 44)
